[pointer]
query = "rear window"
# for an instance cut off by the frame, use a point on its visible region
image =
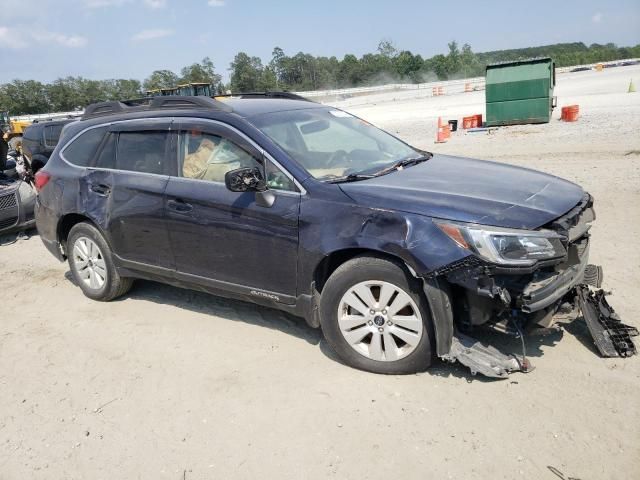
(52, 134)
(143, 152)
(81, 151)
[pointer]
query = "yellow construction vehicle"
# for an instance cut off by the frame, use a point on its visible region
(195, 89)
(12, 130)
(186, 89)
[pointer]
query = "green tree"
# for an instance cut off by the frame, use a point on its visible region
(269, 80)
(246, 73)
(200, 72)
(278, 65)
(387, 49)
(407, 65)
(63, 95)
(439, 65)
(25, 97)
(161, 79)
(127, 88)
(454, 63)
(349, 72)
(469, 62)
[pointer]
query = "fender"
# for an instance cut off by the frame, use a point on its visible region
(439, 298)
(413, 239)
(329, 226)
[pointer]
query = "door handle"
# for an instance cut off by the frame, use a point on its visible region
(179, 206)
(100, 189)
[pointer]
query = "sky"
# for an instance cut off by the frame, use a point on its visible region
(101, 39)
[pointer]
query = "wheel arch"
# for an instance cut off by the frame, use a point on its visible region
(38, 160)
(67, 222)
(436, 290)
(330, 262)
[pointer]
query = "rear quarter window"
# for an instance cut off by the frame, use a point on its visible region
(32, 133)
(81, 151)
(52, 135)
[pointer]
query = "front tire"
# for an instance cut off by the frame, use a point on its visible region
(92, 265)
(376, 318)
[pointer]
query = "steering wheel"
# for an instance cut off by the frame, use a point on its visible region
(339, 156)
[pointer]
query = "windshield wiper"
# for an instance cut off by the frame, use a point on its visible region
(400, 164)
(352, 177)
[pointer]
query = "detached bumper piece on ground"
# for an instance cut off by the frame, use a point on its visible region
(610, 335)
(485, 359)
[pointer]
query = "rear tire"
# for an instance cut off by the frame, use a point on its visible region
(92, 265)
(388, 330)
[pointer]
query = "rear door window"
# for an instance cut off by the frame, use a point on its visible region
(81, 151)
(144, 152)
(52, 135)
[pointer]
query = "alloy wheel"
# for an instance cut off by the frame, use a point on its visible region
(89, 263)
(380, 320)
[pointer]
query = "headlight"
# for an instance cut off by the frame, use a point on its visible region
(505, 246)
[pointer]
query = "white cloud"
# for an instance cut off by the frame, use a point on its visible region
(15, 38)
(151, 34)
(155, 4)
(216, 3)
(71, 41)
(597, 17)
(12, 39)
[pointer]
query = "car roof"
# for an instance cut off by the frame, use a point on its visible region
(243, 105)
(45, 123)
(249, 107)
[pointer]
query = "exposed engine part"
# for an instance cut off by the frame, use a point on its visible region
(484, 359)
(526, 365)
(611, 336)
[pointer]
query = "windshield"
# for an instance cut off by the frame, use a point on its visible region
(331, 143)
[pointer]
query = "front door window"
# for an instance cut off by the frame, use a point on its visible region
(205, 156)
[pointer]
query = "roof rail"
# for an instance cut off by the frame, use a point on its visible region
(154, 103)
(288, 95)
(177, 101)
(103, 108)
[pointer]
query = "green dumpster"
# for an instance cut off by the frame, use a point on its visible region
(520, 92)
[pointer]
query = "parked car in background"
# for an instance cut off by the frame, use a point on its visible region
(17, 196)
(40, 139)
(273, 199)
(17, 199)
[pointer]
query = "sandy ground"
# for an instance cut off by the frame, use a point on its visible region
(167, 383)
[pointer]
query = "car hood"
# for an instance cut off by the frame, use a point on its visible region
(468, 190)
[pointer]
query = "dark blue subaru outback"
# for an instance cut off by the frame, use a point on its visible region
(394, 252)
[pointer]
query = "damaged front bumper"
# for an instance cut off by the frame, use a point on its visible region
(528, 300)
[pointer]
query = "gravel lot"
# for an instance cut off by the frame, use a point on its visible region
(168, 383)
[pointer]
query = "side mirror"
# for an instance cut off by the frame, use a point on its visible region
(245, 180)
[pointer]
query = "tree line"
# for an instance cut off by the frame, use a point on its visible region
(300, 72)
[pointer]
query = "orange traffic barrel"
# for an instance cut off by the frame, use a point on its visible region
(570, 113)
(443, 133)
(468, 122)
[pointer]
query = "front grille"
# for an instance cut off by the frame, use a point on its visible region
(8, 201)
(8, 222)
